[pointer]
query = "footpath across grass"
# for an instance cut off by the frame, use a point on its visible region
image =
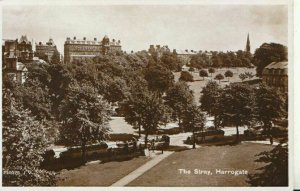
(208, 158)
(99, 174)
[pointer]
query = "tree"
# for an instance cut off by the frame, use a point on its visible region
(237, 104)
(193, 120)
(209, 101)
(211, 71)
(186, 76)
(268, 53)
(276, 164)
(219, 77)
(178, 97)
(269, 107)
(158, 78)
(131, 106)
(243, 76)
(249, 75)
(228, 74)
(85, 117)
(171, 61)
(55, 59)
(25, 140)
(203, 73)
(152, 112)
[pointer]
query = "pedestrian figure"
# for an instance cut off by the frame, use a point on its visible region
(152, 145)
(271, 139)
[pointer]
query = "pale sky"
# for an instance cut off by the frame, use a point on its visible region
(197, 27)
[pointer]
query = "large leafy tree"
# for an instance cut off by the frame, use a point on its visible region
(171, 61)
(275, 172)
(145, 108)
(269, 107)
(268, 53)
(210, 101)
(193, 120)
(178, 97)
(25, 140)
(85, 117)
(152, 112)
(237, 104)
(131, 106)
(159, 78)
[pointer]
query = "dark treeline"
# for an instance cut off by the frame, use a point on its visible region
(221, 59)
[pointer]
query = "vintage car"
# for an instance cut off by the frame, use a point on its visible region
(207, 135)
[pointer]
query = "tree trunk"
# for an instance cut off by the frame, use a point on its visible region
(270, 133)
(139, 124)
(237, 134)
(146, 138)
(194, 140)
(83, 147)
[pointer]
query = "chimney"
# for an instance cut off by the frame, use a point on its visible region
(84, 38)
(95, 39)
(74, 38)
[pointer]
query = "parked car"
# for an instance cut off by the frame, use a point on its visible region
(207, 135)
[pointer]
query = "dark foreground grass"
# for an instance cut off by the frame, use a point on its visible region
(99, 174)
(238, 157)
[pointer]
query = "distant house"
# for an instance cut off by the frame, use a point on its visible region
(276, 75)
(18, 72)
(14, 54)
(45, 51)
(185, 55)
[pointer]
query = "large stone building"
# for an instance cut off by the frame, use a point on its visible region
(45, 51)
(276, 75)
(158, 50)
(14, 54)
(185, 55)
(75, 49)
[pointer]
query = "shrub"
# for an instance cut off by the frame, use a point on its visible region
(219, 77)
(203, 73)
(186, 76)
(228, 74)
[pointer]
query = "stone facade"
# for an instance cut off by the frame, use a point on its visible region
(158, 50)
(276, 75)
(75, 49)
(14, 54)
(185, 55)
(45, 51)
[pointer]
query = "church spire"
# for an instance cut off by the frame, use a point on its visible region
(248, 44)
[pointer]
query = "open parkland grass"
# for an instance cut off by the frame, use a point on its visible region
(166, 173)
(199, 83)
(100, 174)
(238, 157)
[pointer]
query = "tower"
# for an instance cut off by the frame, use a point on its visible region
(248, 44)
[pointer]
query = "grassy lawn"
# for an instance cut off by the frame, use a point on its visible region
(100, 174)
(199, 83)
(239, 157)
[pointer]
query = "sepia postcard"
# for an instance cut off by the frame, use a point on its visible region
(147, 94)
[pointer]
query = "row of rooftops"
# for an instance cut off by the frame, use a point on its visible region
(105, 40)
(276, 68)
(180, 52)
(25, 40)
